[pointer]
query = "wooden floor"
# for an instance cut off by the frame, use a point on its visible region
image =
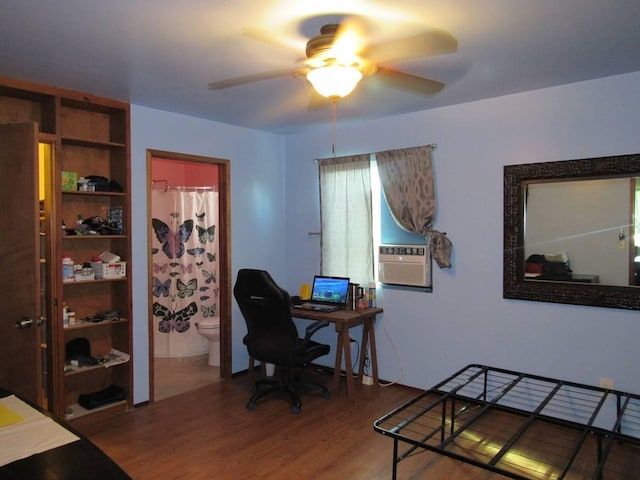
(209, 434)
(173, 376)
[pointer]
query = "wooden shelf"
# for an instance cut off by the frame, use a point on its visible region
(83, 142)
(80, 324)
(77, 370)
(94, 194)
(79, 412)
(86, 104)
(92, 237)
(97, 280)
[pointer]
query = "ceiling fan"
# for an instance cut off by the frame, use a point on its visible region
(339, 57)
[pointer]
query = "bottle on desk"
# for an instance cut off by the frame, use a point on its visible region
(372, 295)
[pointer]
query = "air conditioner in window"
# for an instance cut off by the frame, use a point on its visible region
(404, 265)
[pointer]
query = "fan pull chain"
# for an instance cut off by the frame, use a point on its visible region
(333, 127)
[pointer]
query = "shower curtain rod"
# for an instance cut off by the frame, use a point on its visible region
(167, 187)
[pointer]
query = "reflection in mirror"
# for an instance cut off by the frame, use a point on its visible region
(570, 234)
(580, 230)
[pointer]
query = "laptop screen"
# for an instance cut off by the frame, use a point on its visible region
(330, 290)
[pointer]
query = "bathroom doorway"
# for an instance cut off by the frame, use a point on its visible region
(189, 272)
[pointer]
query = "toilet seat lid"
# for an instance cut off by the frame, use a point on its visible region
(209, 323)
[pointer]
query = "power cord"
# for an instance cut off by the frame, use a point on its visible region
(395, 349)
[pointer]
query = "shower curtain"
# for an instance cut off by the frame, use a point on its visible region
(185, 269)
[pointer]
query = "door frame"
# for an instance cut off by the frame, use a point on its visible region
(224, 255)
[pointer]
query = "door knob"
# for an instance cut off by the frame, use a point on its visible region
(27, 322)
(24, 323)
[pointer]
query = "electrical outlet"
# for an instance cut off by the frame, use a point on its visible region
(606, 383)
(367, 380)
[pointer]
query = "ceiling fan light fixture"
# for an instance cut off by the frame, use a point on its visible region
(335, 80)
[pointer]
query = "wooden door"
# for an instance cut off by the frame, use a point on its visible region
(20, 300)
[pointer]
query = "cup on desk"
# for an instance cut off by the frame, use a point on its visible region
(305, 291)
(355, 296)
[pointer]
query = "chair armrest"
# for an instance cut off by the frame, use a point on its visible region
(313, 328)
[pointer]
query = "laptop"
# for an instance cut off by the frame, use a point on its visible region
(328, 294)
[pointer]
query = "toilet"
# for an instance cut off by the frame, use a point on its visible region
(209, 328)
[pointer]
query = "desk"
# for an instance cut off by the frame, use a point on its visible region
(343, 321)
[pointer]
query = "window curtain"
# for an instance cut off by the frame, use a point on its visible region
(346, 218)
(407, 180)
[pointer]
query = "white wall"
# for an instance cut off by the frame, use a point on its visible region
(257, 205)
(465, 319)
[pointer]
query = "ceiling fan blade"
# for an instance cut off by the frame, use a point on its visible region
(422, 45)
(254, 77)
(407, 82)
(266, 36)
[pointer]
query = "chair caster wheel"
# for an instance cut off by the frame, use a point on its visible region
(326, 394)
(251, 406)
(296, 409)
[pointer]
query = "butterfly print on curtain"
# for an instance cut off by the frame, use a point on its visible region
(185, 270)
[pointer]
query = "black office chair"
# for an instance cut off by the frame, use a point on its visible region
(273, 338)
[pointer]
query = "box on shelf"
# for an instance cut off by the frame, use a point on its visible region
(110, 270)
(109, 257)
(69, 181)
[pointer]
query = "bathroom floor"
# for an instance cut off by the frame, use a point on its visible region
(173, 376)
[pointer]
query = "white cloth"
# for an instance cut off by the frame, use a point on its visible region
(35, 434)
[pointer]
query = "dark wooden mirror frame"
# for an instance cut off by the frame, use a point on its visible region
(514, 284)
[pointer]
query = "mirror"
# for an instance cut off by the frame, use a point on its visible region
(549, 259)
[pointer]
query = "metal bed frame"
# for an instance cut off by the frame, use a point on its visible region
(521, 426)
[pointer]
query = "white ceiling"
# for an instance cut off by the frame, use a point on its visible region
(163, 53)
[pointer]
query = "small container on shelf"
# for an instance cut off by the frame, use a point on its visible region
(83, 184)
(65, 315)
(84, 272)
(67, 269)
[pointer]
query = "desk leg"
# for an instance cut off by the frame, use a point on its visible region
(336, 368)
(369, 340)
(363, 350)
(348, 366)
(374, 354)
(343, 347)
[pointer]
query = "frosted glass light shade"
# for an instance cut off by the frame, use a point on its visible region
(334, 80)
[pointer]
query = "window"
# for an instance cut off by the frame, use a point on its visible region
(346, 218)
(355, 216)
